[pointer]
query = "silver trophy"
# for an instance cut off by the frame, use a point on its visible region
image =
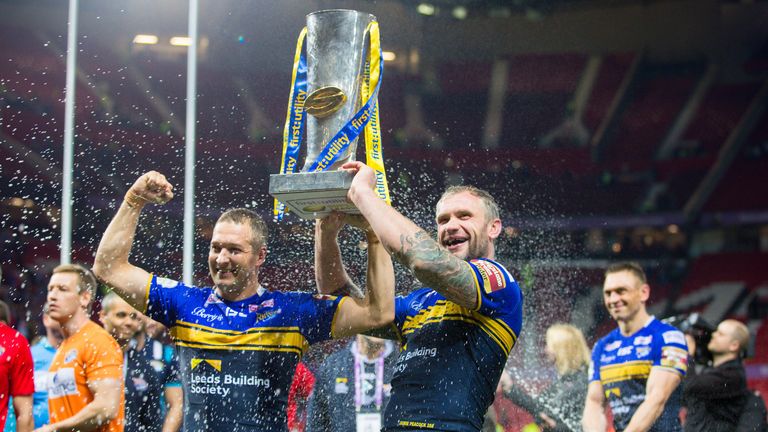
(335, 47)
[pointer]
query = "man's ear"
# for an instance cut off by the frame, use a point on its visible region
(494, 228)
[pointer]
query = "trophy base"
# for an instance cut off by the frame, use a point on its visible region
(313, 195)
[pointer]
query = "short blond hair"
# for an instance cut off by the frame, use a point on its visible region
(569, 346)
(87, 281)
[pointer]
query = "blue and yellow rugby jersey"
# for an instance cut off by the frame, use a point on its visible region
(237, 359)
(622, 365)
(452, 357)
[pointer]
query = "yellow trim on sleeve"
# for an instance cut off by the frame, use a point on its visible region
(146, 294)
(336, 314)
(477, 288)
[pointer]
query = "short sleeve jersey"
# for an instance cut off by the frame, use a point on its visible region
(622, 364)
(16, 373)
(237, 358)
(452, 357)
(90, 354)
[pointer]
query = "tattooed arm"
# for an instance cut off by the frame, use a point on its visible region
(432, 264)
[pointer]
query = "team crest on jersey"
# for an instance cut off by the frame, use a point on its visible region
(491, 275)
(212, 299)
(167, 283)
(71, 355)
(342, 386)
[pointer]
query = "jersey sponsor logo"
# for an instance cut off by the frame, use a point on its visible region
(70, 356)
(201, 313)
(231, 313)
(613, 345)
(492, 276)
(342, 385)
(140, 383)
(216, 364)
(416, 305)
(41, 379)
(606, 358)
(202, 381)
(268, 314)
(674, 336)
(625, 351)
(62, 383)
(643, 351)
(167, 283)
(643, 340)
(265, 304)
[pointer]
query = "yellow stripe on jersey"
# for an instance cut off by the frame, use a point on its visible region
(444, 310)
(477, 287)
(625, 371)
(280, 339)
(146, 294)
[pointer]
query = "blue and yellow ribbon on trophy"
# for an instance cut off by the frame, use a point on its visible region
(325, 101)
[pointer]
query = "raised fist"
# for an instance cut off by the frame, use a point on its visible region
(152, 187)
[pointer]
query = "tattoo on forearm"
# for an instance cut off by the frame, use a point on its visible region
(437, 268)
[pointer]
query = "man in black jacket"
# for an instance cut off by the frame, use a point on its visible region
(715, 397)
(353, 387)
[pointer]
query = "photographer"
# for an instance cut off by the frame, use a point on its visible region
(716, 395)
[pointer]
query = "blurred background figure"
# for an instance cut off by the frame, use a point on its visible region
(16, 376)
(42, 355)
(353, 387)
(716, 397)
(43, 349)
(560, 405)
(298, 397)
(85, 389)
(142, 384)
(153, 340)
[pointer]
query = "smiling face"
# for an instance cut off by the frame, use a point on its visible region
(121, 321)
(233, 259)
(464, 228)
(624, 295)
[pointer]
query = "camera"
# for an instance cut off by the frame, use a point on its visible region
(699, 329)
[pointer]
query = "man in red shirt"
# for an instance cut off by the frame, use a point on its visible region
(16, 374)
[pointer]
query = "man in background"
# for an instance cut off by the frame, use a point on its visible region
(86, 388)
(15, 374)
(151, 340)
(637, 367)
(716, 396)
(142, 384)
(353, 386)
